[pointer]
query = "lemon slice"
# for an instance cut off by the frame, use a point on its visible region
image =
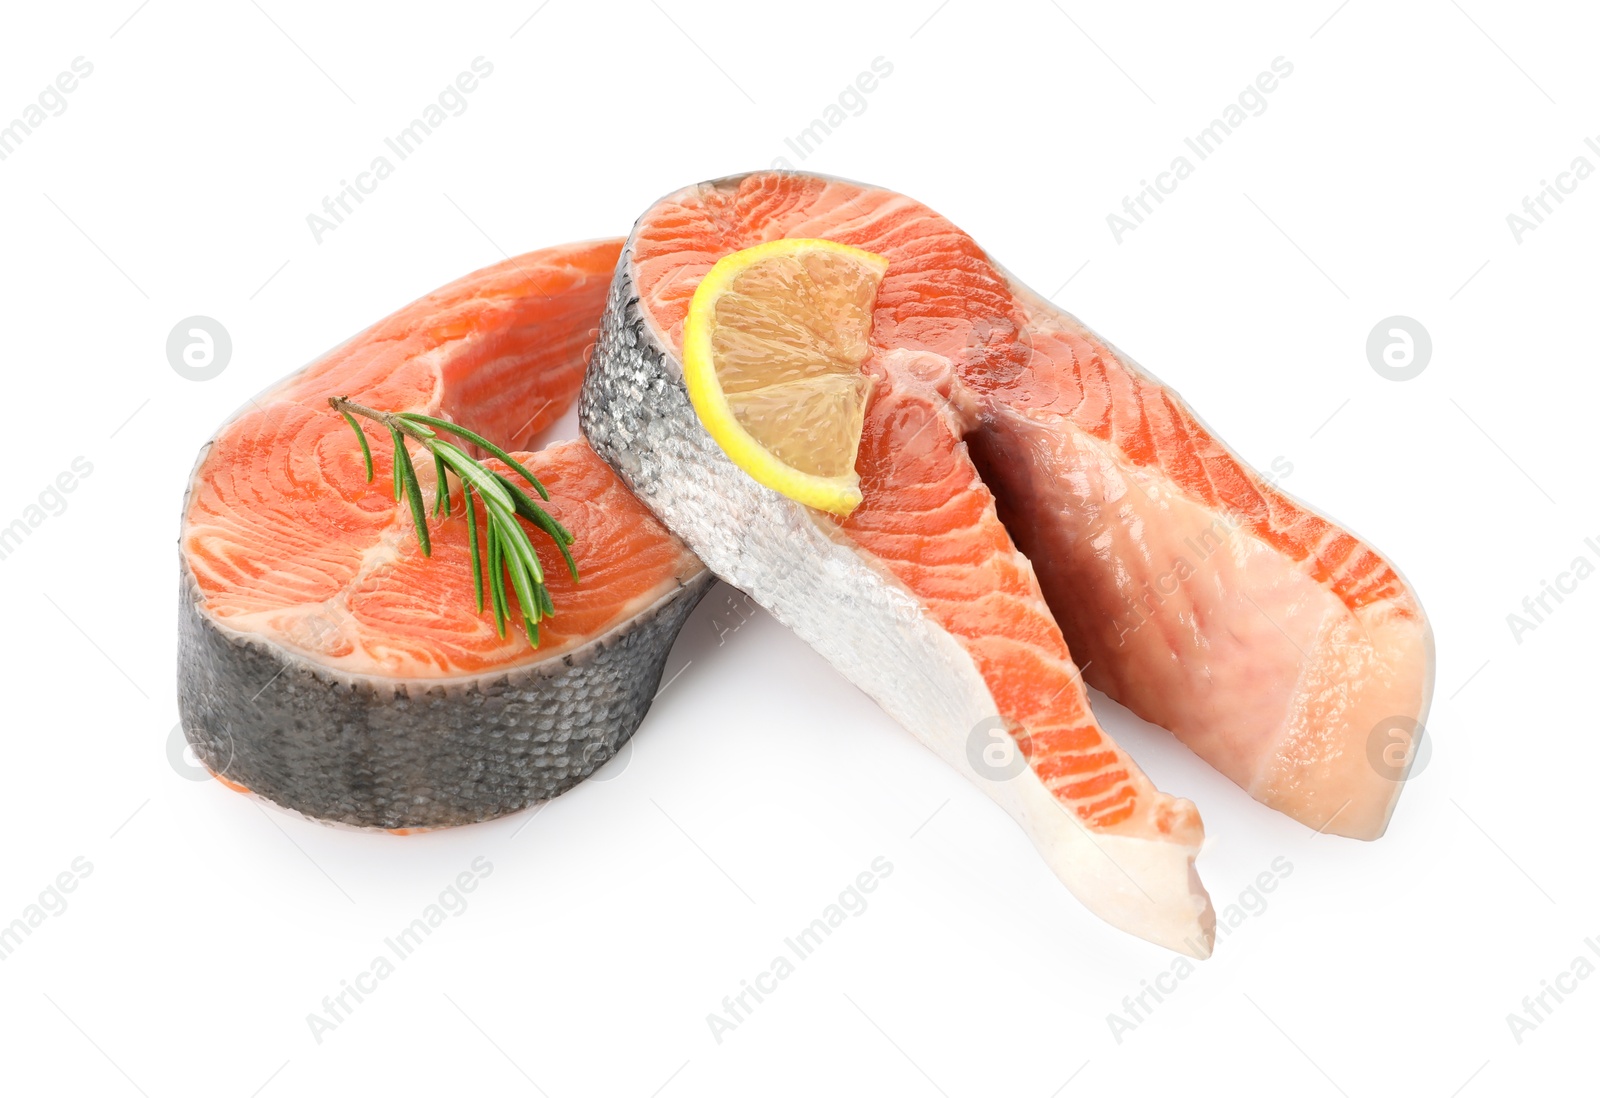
(772, 353)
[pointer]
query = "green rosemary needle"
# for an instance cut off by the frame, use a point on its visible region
(510, 551)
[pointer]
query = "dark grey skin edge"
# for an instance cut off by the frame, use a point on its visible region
(368, 751)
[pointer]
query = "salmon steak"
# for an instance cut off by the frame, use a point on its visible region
(1036, 511)
(328, 666)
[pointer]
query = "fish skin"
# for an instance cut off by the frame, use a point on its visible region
(375, 752)
(369, 735)
(635, 411)
(1279, 646)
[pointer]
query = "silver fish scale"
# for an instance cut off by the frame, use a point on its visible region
(368, 751)
(635, 412)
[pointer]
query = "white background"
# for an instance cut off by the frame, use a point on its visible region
(614, 921)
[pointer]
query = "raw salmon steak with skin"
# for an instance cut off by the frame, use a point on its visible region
(1271, 641)
(328, 665)
(1281, 648)
(919, 597)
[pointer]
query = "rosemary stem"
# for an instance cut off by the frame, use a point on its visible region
(394, 422)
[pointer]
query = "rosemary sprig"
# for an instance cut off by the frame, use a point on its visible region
(510, 549)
